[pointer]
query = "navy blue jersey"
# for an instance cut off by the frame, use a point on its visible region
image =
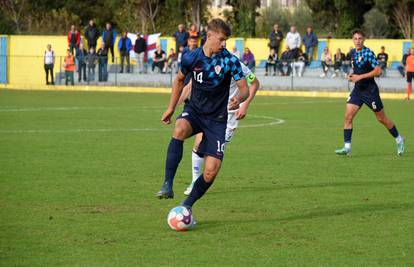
(211, 77)
(363, 61)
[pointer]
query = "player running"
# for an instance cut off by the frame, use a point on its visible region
(212, 67)
(410, 72)
(232, 120)
(365, 66)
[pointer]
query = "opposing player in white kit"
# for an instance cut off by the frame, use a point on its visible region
(232, 120)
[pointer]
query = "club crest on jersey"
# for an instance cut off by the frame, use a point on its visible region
(217, 69)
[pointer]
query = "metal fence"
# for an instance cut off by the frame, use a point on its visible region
(281, 76)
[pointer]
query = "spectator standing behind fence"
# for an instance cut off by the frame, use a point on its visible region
(109, 37)
(140, 48)
(69, 65)
(91, 60)
(401, 68)
(193, 32)
(285, 61)
(80, 57)
(49, 62)
(299, 63)
(275, 38)
(158, 59)
(171, 62)
(410, 72)
(310, 40)
(73, 39)
(326, 60)
(192, 43)
(92, 35)
(346, 64)
(271, 62)
(293, 40)
(235, 52)
(102, 55)
(339, 58)
(124, 46)
(203, 35)
(181, 37)
(383, 61)
(248, 59)
(179, 56)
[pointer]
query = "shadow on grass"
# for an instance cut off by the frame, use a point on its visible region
(275, 187)
(314, 214)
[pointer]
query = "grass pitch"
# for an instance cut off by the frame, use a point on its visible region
(78, 173)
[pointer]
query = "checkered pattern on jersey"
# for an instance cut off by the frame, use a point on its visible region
(363, 61)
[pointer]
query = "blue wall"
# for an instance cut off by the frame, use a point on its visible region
(3, 59)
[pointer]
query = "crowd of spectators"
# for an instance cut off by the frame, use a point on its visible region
(291, 61)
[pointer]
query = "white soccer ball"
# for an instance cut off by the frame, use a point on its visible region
(180, 218)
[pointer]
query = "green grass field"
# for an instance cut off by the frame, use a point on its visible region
(78, 173)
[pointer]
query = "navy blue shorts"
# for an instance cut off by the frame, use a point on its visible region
(214, 133)
(367, 94)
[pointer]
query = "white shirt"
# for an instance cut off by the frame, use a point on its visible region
(49, 57)
(234, 90)
(293, 40)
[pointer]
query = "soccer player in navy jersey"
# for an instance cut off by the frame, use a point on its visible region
(212, 68)
(366, 67)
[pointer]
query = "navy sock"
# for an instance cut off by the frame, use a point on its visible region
(174, 156)
(393, 131)
(199, 189)
(347, 135)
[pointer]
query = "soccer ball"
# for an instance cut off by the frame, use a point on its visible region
(180, 218)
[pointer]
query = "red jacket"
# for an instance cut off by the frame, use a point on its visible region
(78, 37)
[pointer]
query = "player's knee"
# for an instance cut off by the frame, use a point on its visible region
(209, 175)
(179, 133)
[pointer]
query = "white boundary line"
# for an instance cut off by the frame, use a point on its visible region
(274, 121)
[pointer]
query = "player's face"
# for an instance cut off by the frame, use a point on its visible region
(358, 40)
(217, 41)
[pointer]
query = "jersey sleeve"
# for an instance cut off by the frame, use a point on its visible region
(372, 59)
(250, 77)
(185, 64)
(236, 69)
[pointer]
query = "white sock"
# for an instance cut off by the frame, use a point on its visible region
(398, 139)
(197, 165)
(347, 145)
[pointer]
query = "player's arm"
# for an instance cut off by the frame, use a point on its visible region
(254, 86)
(372, 74)
(243, 94)
(185, 93)
(177, 88)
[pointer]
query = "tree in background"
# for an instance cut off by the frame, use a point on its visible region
(301, 17)
(404, 16)
(375, 24)
(242, 17)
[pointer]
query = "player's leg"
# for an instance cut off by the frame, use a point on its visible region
(383, 119)
(203, 183)
(182, 130)
(350, 112)
(410, 76)
(197, 160)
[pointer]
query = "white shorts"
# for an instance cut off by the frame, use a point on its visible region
(232, 124)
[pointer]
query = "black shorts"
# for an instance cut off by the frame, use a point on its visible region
(367, 94)
(410, 76)
(214, 133)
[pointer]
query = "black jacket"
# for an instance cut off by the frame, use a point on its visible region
(140, 45)
(92, 35)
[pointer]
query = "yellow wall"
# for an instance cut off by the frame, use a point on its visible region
(26, 53)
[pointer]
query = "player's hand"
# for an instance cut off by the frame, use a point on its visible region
(354, 78)
(241, 112)
(166, 117)
(234, 103)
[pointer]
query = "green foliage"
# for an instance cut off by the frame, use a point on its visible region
(375, 24)
(242, 17)
(301, 17)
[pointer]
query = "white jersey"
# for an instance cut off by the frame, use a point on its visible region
(234, 91)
